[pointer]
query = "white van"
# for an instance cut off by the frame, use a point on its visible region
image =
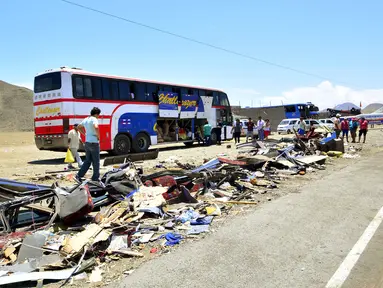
(329, 123)
(287, 125)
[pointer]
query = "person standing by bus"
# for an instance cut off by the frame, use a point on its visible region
(345, 127)
(353, 128)
(337, 126)
(207, 133)
(219, 133)
(250, 130)
(89, 128)
(363, 127)
(260, 128)
(74, 141)
(236, 131)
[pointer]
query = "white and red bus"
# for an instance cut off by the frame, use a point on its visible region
(135, 114)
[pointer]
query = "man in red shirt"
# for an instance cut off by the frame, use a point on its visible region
(345, 127)
(250, 130)
(363, 127)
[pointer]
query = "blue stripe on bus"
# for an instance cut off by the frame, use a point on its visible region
(134, 123)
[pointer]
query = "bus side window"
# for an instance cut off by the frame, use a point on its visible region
(290, 108)
(215, 95)
(192, 91)
(151, 92)
(140, 92)
(97, 88)
(202, 93)
(79, 87)
(177, 90)
(88, 88)
(184, 91)
(125, 90)
(224, 101)
(114, 90)
(106, 89)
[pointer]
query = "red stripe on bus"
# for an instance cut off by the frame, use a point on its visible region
(60, 117)
(49, 130)
(91, 101)
(59, 129)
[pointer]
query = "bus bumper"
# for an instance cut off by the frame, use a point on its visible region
(52, 142)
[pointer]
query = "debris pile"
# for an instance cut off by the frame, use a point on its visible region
(58, 233)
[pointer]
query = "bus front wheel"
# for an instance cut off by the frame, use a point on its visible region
(122, 145)
(141, 143)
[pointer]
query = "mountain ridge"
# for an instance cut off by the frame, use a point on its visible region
(16, 108)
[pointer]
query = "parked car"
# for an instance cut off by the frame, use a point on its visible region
(308, 122)
(329, 123)
(286, 126)
(244, 126)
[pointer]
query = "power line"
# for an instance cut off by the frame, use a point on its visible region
(199, 42)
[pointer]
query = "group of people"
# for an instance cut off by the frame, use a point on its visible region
(206, 131)
(263, 127)
(351, 125)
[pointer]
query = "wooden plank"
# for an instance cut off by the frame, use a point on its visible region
(9, 251)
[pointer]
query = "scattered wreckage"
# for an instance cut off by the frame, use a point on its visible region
(56, 233)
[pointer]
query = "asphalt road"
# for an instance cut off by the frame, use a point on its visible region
(298, 240)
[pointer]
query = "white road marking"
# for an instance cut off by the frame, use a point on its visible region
(348, 263)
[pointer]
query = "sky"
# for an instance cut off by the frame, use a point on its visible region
(338, 40)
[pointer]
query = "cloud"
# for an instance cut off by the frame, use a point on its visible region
(325, 95)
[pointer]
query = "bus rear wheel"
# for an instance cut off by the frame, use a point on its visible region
(213, 137)
(141, 143)
(122, 145)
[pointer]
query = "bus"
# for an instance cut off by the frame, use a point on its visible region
(277, 113)
(135, 114)
(305, 110)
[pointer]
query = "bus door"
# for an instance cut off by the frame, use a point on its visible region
(226, 119)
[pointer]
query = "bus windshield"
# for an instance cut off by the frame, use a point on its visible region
(47, 82)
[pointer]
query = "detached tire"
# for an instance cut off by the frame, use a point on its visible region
(122, 145)
(141, 143)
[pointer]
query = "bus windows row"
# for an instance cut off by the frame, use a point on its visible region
(85, 87)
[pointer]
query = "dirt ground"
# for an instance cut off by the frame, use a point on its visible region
(21, 160)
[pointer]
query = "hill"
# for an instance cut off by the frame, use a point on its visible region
(372, 107)
(346, 106)
(16, 108)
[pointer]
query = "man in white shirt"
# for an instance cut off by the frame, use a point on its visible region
(89, 128)
(74, 141)
(260, 127)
